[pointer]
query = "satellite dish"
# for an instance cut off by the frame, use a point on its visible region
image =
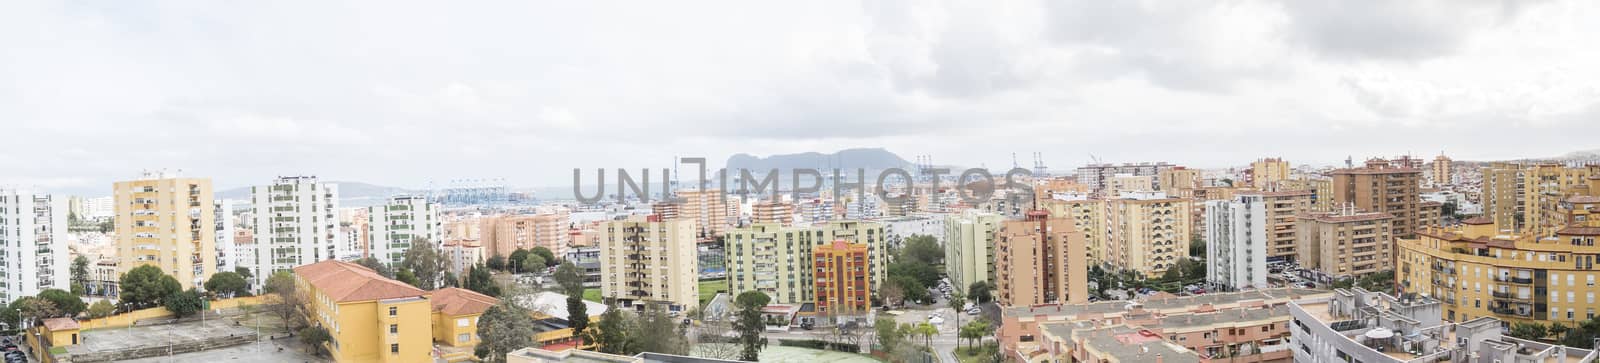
(1379, 333)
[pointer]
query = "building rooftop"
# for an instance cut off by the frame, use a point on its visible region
(555, 305)
(1350, 217)
(347, 282)
(1234, 315)
(1126, 344)
(459, 301)
(59, 324)
(1215, 299)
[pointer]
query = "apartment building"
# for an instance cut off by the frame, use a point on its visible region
(969, 246)
(1236, 242)
(354, 227)
(1146, 232)
(1321, 191)
(777, 260)
(1281, 208)
(1245, 326)
(167, 222)
(1177, 178)
(369, 318)
(1088, 218)
(1121, 183)
(648, 261)
(1503, 194)
(296, 223)
(1359, 326)
(1267, 172)
(1345, 244)
(1040, 260)
(399, 222)
(781, 213)
(1480, 270)
(227, 250)
(1443, 171)
(712, 211)
(502, 235)
(841, 276)
(1545, 185)
(33, 237)
(1098, 176)
(1382, 187)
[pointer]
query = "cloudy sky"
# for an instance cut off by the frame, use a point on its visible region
(402, 94)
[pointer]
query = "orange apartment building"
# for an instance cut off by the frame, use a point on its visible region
(841, 278)
(781, 213)
(1040, 260)
(504, 234)
(1381, 187)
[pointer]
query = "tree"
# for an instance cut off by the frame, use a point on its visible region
(80, 274)
(534, 262)
(927, 331)
(31, 310)
(101, 309)
(549, 257)
(184, 303)
(1557, 330)
(517, 258)
(578, 316)
(1583, 335)
(922, 249)
(749, 324)
(893, 294)
(974, 331)
(912, 289)
(503, 328)
(1197, 246)
(479, 279)
(407, 277)
(145, 286)
(10, 316)
(1529, 331)
(69, 303)
(286, 300)
(889, 334)
(375, 265)
(314, 337)
(228, 284)
(244, 272)
(980, 292)
(611, 333)
(425, 263)
(712, 342)
(1378, 281)
(568, 277)
(958, 302)
(497, 262)
(657, 332)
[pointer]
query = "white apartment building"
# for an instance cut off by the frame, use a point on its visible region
(1236, 242)
(227, 250)
(969, 246)
(296, 224)
(393, 226)
(33, 239)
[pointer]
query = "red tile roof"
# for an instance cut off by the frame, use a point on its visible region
(347, 282)
(457, 301)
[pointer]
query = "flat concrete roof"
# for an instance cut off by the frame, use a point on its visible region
(99, 340)
(1165, 304)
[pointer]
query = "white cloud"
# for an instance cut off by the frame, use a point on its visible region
(405, 92)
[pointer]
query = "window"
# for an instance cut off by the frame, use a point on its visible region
(394, 311)
(1264, 328)
(394, 349)
(462, 322)
(463, 338)
(394, 328)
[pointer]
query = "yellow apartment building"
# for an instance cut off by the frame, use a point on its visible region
(1146, 233)
(369, 317)
(1283, 208)
(168, 222)
(1380, 187)
(1347, 243)
(644, 260)
(455, 315)
(1479, 270)
(1266, 172)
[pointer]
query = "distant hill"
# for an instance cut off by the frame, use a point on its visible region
(351, 194)
(1584, 155)
(849, 159)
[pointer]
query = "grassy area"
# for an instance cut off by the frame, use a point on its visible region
(591, 295)
(976, 355)
(709, 288)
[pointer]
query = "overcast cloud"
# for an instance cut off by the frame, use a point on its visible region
(402, 93)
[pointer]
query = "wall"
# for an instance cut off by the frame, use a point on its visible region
(125, 319)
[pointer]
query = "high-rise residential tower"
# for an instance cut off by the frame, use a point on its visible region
(395, 225)
(33, 237)
(296, 223)
(167, 222)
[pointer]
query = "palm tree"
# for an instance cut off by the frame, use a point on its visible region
(957, 301)
(927, 331)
